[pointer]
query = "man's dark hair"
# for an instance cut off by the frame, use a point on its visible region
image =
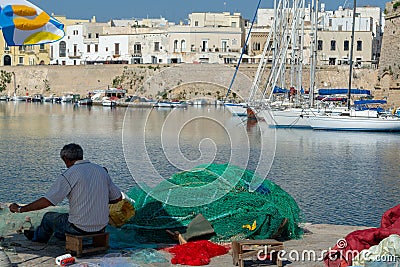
(72, 152)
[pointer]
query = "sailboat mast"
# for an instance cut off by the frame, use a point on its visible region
(351, 54)
(15, 86)
(314, 48)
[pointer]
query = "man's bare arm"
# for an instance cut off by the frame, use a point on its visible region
(39, 204)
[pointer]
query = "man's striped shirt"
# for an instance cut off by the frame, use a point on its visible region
(89, 190)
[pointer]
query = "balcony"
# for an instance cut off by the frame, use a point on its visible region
(116, 54)
(43, 50)
(75, 55)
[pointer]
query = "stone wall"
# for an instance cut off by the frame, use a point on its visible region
(388, 84)
(210, 80)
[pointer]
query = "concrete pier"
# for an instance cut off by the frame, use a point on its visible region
(317, 239)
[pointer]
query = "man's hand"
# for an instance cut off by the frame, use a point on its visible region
(14, 207)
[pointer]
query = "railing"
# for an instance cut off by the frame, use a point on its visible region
(75, 55)
(116, 54)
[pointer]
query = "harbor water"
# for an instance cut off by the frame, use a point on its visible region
(336, 177)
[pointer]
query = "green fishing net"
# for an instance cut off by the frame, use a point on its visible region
(237, 213)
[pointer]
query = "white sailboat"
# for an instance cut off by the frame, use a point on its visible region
(353, 120)
(355, 123)
(285, 36)
(237, 109)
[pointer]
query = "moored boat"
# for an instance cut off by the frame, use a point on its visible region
(106, 102)
(355, 123)
(163, 104)
(87, 101)
(239, 109)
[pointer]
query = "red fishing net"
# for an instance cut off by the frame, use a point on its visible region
(196, 253)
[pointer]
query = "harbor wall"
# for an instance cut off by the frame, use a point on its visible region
(388, 80)
(196, 80)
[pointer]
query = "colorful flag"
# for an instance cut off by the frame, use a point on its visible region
(23, 23)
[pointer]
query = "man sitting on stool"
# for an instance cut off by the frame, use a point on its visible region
(89, 190)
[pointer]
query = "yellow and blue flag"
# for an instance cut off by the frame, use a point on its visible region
(23, 23)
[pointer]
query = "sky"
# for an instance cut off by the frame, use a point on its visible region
(172, 10)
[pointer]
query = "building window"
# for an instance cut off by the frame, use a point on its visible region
(358, 62)
(320, 45)
(233, 24)
(175, 46)
(75, 32)
(157, 46)
(196, 23)
(333, 45)
(270, 45)
(97, 35)
(88, 48)
(6, 48)
(41, 47)
(332, 61)
(96, 48)
(256, 46)
(346, 45)
(137, 48)
(204, 47)
(183, 45)
(51, 52)
(62, 49)
(106, 49)
(21, 48)
(192, 48)
(359, 45)
(234, 42)
(21, 60)
(224, 46)
(116, 49)
(89, 35)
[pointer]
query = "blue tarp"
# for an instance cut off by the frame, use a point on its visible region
(278, 90)
(343, 92)
(370, 101)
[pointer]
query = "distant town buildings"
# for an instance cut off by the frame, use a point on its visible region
(205, 38)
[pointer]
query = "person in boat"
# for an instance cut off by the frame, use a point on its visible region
(89, 190)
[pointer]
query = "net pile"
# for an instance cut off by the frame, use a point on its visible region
(239, 213)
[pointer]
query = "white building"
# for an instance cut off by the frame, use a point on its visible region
(212, 38)
(68, 51)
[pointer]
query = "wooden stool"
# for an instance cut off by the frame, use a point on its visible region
(93, 243)
(247, 248)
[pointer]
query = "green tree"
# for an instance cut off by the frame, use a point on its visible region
(5, 78)
(46, 85)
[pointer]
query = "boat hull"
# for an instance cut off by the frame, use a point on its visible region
(109, 103)
(340, 123)
(236, 109)
(293, 118)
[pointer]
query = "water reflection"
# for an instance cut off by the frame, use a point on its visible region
(336, 177)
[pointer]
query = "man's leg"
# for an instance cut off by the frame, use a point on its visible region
(52, 222)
